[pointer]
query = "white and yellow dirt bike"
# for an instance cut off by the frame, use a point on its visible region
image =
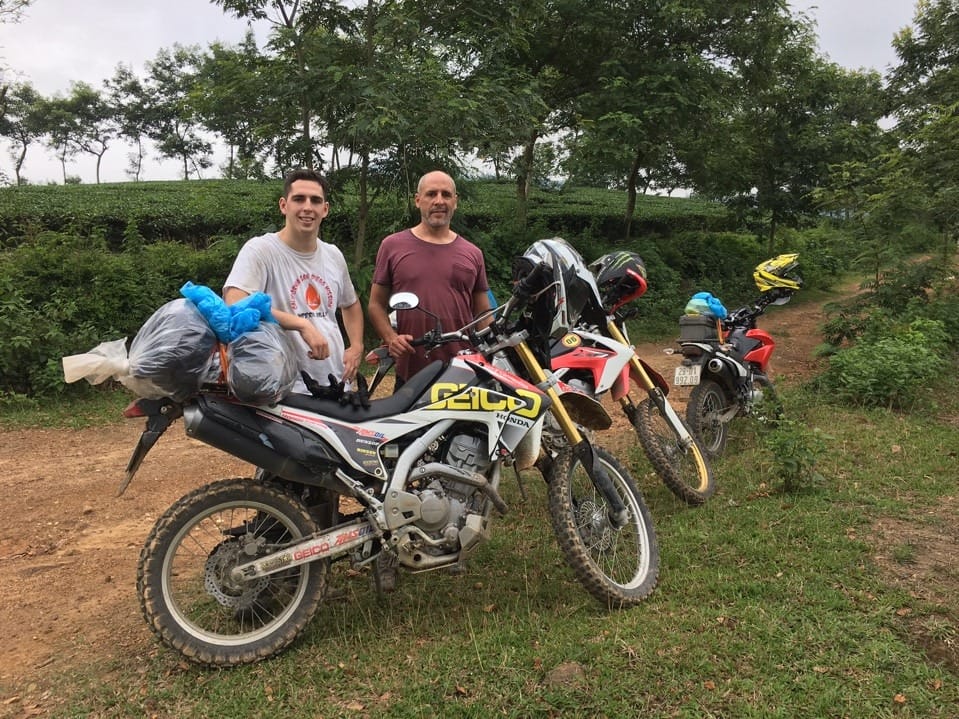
(599, 359)
(234, 571)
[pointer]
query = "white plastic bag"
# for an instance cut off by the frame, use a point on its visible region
(106, 360)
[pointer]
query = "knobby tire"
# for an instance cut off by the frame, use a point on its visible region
(186, 594)
(682, 466)
(619, 567)
(707, 403)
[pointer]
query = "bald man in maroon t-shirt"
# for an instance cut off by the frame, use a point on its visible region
(445, 270)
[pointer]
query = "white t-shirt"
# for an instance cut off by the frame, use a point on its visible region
(311, 285)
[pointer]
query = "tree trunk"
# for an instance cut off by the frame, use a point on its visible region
(363, 211)
(524, 180)
(631, 193)
(21, 157)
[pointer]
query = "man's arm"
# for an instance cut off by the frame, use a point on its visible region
(480, 305)
(353, 324)
(319, 347)
(378, 311)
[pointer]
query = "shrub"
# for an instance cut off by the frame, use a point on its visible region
(888, 369)
(795, 450)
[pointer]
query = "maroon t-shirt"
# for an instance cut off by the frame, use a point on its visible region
(444, 277)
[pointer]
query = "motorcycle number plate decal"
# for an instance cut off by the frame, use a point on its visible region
(571, 340)
(687, 375)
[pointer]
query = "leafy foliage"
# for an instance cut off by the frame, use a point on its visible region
(795, 449)
(889, 369)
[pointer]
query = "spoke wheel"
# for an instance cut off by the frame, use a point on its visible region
(704, 411)
(676, 455)
(188, 594)
(618, 566)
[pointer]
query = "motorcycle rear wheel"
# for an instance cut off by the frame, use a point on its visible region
(681, 464)
(619, 567)
(187, 595)
(707, 404)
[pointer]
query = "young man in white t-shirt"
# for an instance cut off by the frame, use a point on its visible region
(307, 281)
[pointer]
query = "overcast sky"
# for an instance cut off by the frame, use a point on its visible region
(61, 41)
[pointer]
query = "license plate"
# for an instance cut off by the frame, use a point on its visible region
(687, 375)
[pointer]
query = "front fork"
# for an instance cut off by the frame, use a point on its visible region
(582, 449)
(656, 393)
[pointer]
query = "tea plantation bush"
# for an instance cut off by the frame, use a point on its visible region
(80, 265)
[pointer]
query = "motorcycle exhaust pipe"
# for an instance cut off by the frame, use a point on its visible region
(207, 430)
(714, 365)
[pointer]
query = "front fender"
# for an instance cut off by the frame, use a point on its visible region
(639, 368)
(584, 410)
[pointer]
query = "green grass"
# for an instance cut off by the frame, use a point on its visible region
(769, 605)
(95, 406)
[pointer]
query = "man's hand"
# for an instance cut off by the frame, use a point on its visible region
(319, 347)
(400, 345)
(351, 362)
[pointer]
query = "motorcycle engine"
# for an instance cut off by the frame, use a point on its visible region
(453, 513)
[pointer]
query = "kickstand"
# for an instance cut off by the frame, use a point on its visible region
(519, 482)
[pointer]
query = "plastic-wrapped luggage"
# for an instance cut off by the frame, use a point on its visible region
(262, 365)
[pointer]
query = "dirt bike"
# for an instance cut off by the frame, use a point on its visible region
(726, 361)
(597, 364)
(234, 571)
(600, 359)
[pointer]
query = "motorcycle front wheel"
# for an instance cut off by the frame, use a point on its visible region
(707, 405)
(187, 594)
(676, 455)
(618, 566)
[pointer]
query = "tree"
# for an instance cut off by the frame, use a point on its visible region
(92, 123)
(229, 84)
(925, 94)
(791, 116)
(21, 123)
(659, 86)
(174, 124)
(134, 112)
(298, 84)
(10, 11)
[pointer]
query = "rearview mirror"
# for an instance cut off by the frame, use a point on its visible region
(404, 301)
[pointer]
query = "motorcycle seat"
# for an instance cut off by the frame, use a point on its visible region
(397, 403)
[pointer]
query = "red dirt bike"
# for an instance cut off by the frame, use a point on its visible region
(726, 362)
(601, 360)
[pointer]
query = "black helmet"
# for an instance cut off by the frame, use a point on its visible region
(621, 276)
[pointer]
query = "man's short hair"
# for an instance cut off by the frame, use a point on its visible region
(304, 173)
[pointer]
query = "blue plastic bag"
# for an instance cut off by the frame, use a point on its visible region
(229, 321)
(703, 303)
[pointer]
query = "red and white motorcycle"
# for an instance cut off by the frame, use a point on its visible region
(598, 359)
(234, 571)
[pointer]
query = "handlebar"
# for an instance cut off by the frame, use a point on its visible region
(746, 315)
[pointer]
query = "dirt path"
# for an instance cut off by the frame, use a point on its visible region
(69, 547)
